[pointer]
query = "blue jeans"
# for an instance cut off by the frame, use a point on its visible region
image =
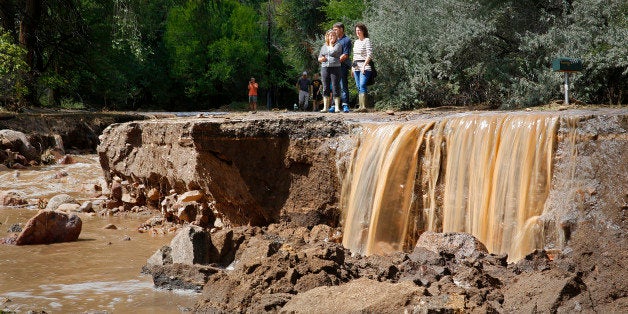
(361, 79)
(344, 83)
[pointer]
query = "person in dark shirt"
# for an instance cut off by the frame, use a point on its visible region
(303, 88)
(345, 63)
(317, 91)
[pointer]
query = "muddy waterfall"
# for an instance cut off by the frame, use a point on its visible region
(487, 175)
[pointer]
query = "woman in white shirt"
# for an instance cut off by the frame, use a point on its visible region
(362, 56)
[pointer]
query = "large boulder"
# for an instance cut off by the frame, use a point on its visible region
(370, 296)
(17, 142)
(461, 245)
(50, 227)
(60, 199)
(191, 246)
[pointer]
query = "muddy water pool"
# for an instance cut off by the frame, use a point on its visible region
(98, 273)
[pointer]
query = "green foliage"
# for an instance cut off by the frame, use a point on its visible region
(347, 11)
(456, 52)
(298, 27)
(12, 69)
(597, 32)
(215, 47)
(69, 103)
(190, 54)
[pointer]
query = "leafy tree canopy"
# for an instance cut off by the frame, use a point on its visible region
(191, 54)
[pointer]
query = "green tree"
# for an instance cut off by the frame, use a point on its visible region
(346, 11)
(126, 64)
(215, 46)
(299, 29)
(12, 70)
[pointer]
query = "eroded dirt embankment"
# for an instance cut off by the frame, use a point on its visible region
(271, 167)
(74, 131)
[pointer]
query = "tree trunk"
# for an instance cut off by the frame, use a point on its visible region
(29, 26)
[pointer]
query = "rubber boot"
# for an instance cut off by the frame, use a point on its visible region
(362, 103)
(325, 104)
(337, 105)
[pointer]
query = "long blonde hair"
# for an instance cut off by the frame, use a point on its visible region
(327, 37)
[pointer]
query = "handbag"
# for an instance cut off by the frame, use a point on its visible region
(371, 79)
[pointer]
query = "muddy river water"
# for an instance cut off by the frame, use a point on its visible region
(98, 273)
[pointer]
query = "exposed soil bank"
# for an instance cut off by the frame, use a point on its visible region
(75, 131)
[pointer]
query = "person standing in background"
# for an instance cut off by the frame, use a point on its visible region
(303, 88)
(362, 56)
(329, 57)
(253, 95)
(345, 63)
(317, 94)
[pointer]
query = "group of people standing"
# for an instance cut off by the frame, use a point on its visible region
(335, 60)
(336, 64)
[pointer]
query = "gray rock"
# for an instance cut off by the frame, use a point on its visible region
(57, 200)
(191, 246)
(461, 245)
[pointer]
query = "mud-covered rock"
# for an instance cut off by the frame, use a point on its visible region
(460, 245)
(13, 198)
(50, 227)
(60, 199)
(544, 292)
(358, 296)
(17, 142)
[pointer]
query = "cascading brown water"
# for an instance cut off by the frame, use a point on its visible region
(379, 188)
(487, 175)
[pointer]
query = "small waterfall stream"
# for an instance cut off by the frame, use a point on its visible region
(484, 174)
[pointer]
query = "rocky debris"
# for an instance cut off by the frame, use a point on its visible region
(86, 207)
(291, 269)
(13, 198)
(50, 227)
(15, 228)
(27, 141)
(17, 152)
(546, 292)
(189, 207)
